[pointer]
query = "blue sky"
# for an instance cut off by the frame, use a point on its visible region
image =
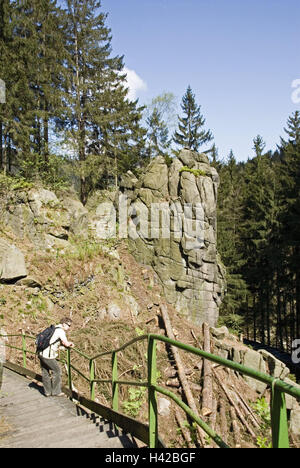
(239, 56)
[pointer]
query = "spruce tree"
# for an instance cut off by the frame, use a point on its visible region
(99, 121)
(31, 47)
(290, 216)
(230, 198)
(157, 135)
(259, 220)
(190, 133)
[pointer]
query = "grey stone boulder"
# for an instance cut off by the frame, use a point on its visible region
(12, 262)
(29, 282)
(187, 157)
(163, 406)
(133, 305)
(276, 368)
(129, 180)
(114, 312)
(42, 197)
(291, 402)
(156, 177)
(179, 242)
(77, 217)
(295, 421)
(220, 333)
(255, 361)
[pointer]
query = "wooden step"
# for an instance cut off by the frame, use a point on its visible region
(38, 422)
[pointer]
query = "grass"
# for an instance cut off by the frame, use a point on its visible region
(195, 172)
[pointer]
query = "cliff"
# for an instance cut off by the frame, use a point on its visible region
(173, 228)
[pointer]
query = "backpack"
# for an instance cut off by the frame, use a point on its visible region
(43, 339)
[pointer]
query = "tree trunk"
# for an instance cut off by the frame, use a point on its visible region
(46, 142)
(207, 393)
(181, 372)
(1, 146)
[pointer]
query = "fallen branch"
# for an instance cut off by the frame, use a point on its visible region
(207, 375)
(247, 409)
(181, 372)
(235, 428)
(185, 431)
(173, 383)
(232, 402)
(172, 373)
(223, 421)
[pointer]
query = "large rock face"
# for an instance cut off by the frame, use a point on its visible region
(173, 229)
(39, 216)
(12, 262)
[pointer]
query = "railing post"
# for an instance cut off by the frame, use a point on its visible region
(69, 368)
(115, 386)
(24, 350)
(92, 378)
(280, 437)
(152, 379)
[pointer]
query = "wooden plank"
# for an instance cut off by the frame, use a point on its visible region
(132, 426)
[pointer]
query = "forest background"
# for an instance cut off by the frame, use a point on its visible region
(66, 119)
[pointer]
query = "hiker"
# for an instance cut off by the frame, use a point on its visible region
(49, 364)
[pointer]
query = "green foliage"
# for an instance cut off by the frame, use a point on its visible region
(190, 133)
(258, 239)
(9, 183)
(83, 249)
(62, 80)
(234, 322)
(262, 408)
(133, 405)
(158, 140)
(139, 332)
(195, 172)
(262, 442)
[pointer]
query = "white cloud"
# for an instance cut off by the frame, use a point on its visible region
(135, 84)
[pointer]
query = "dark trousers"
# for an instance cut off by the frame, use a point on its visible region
(51, 374)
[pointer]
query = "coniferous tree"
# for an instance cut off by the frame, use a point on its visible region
(31, 47)
(191, 133)
(230, 198)
(157, 135)
(290, 218)
(259, 212)
(99, 121)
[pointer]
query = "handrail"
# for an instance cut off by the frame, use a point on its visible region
(279, 388)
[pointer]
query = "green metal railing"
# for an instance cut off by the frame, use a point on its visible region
(279, 421)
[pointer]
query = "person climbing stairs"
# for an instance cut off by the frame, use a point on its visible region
(33, 421)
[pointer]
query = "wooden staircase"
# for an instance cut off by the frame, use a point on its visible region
(34, 421)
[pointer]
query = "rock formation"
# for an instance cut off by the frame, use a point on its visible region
(172, 227)
(12, 262)
(39, 216)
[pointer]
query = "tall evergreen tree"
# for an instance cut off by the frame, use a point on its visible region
(31, 47)
(191, 133)
(230, 199)
(158, 135)
(99, 119)
(290, 215)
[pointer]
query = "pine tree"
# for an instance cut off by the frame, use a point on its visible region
(120, 135)
(31, 46)
(230, 198)
(99, 121)
(290, 217)
(191, 133)
(158, 135)
(259, 220)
